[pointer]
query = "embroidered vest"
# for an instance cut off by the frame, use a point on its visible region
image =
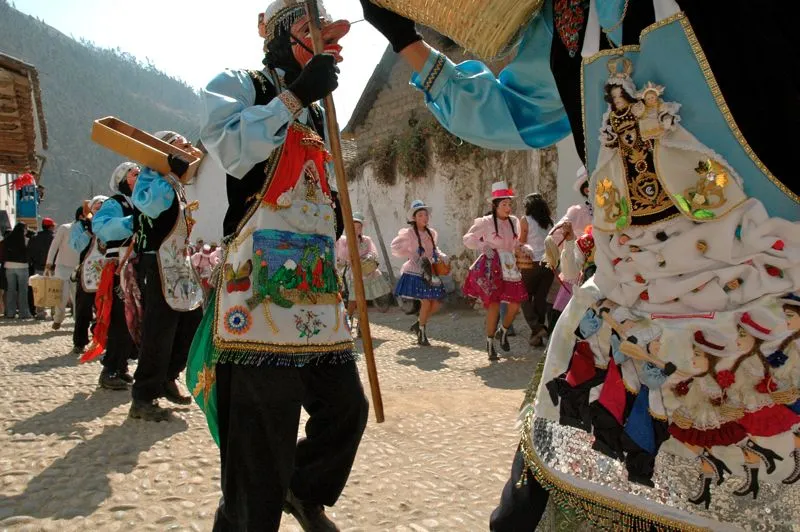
(278, 301)
(92, 266)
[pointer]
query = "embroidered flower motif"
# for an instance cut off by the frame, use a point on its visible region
(725, 379)
(238, 320)
(767, 385)
(644, 296)
(682, 388)
(777, 359)
(604, 192)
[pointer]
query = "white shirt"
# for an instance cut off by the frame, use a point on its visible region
(536, 236)
(61, 253)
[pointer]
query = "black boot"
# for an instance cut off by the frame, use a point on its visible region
(751, 486)
(502, 335)
(112, 381)
(795, 476)
(415, 328)
(148, 411)
(490, 349)
(767, 456)
(704, 495)
(172, 393)
(423, 336)
(311, 516)
(719, 466)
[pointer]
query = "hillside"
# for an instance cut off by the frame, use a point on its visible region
(80, 83)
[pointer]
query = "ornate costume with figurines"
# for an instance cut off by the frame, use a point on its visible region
(695, 231)
(274, 338)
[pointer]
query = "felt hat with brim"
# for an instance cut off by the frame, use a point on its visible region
(500, 191)
(417, 205)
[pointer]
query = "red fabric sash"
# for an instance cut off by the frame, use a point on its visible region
(103, 300)
(301, 146)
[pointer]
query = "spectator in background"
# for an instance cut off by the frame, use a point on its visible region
(61, 262)
(38, 247)
(534, 227)
(16, 255)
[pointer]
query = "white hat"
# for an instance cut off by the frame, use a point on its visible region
(501, 190)
(582, 178)
(119, 174)
(711, 341)
(759, 324)
(97, 199)
(284, 13)
(417, 205)
(790, 299)
(358, 217)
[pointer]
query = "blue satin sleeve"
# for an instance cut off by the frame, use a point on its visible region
(152, 194)
(79, 238)
(237, 133)
(518, 109)
(652, 376)
(109, 224)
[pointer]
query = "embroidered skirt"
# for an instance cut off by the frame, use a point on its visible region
(413, 286)
(485, 282)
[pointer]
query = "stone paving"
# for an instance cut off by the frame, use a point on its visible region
(70, 459)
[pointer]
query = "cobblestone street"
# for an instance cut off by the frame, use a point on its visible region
(70, 459)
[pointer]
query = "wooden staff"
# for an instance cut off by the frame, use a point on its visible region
(347, 212)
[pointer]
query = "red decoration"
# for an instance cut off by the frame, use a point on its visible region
(778, 245)
(616, 261)
(639, 279)
(25, 180)
(644, 296)
(725, 379)
(682, 388)
(767, 385)
(102, 302)
(774, 271)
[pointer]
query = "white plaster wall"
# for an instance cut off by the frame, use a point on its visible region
(568, 164)
(8, 198)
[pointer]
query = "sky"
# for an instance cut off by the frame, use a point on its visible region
(195, 40)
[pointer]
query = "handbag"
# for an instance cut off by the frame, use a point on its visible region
(440, 269)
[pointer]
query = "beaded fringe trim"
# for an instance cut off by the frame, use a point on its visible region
(245, 358)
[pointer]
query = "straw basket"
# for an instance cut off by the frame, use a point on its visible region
(486, 28)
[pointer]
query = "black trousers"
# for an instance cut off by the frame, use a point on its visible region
(83, 311)
(166, 335)
(259, 413)
(537, 282)
(521, 508)
(119, 346)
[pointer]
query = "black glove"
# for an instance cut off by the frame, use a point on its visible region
(318, 79)
(400, 31)
(177, 164)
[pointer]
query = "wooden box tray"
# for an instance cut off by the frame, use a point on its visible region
(140, 147)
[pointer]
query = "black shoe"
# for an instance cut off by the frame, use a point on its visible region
(148, 411)
(795, 476)
(127, 377)
(423, 336)
(311, 516)
(173, 394)
(491, 350)
(752, 483)
(56, 326)
(704, 495)
(719, 466)
(112, 381)
(768, 456)
(503, 335)
(78, 350)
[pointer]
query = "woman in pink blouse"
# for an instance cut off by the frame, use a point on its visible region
(494, 277)
(417, 243)
(375, 284)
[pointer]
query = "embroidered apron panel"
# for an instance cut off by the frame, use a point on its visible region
(509, 263)
(92, 268)
(280, 291)
(180, 283)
